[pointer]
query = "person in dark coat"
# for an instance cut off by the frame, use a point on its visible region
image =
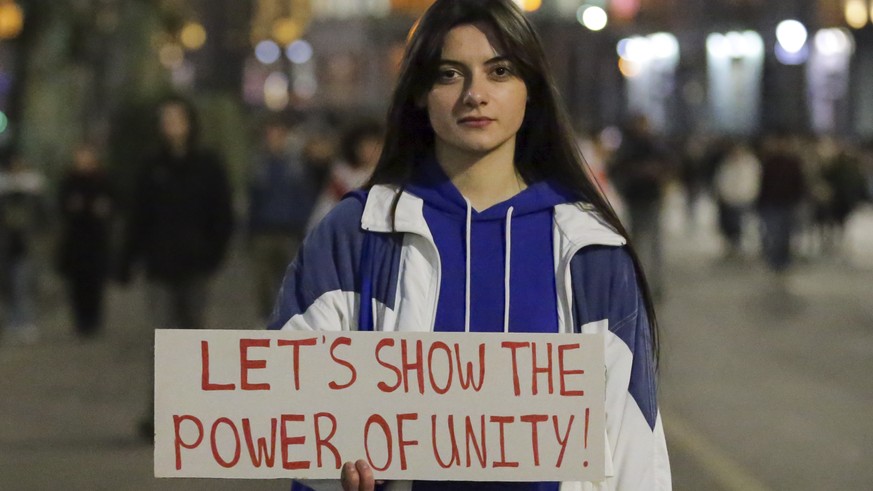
(180, 221)
(87, 206)
(640, 170)
(179, 227)
(783, 188)
(845, 180)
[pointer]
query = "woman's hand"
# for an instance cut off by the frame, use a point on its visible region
(357, 476)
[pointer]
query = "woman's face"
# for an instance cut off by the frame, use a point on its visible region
(477, 102)
(174, 123)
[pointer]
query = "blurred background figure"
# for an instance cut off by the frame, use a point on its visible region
(842, 186)
(692, 174)
(640, 170)
(596, 154)
(87, 206)
(283, 186)
(783, 189)
(179, 226)
(360, 148)
(736, 184)
(23, 216)
(180, 220)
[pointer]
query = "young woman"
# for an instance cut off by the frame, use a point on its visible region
(480, 217)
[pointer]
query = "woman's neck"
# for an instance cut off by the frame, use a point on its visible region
(484, 180)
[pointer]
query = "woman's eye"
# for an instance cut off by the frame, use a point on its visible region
(448, 74)
(502, 71)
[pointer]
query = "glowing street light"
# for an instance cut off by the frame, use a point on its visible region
(299, 52)
(833, 41)
(791, 34)
(11, 20)
(592, 17)
(192, 36)
(856, 13)
(267, 52)
(529, 5)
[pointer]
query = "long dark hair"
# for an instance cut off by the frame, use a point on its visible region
(545, 146)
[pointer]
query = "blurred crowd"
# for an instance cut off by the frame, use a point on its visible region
(174, 223)
(777, 195)
(774, 194)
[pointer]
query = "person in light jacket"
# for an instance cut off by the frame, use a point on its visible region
(480, 217)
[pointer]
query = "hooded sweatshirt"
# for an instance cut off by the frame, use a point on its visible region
(487, 272)
(498, 271)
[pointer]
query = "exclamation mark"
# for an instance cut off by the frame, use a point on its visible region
(587, 415)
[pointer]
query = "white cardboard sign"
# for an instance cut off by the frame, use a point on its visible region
(436, 406)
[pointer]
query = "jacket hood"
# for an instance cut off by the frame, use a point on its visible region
(431, 184)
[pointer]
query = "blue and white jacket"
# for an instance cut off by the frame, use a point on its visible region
(411, 259)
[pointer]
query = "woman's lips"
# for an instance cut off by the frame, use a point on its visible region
(475, 122)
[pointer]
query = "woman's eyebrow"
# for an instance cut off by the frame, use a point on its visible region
(490, 61)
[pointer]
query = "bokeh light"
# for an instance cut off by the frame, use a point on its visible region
(792, 35)
(171, 55)
(592, 17)
(267, 52)
(286, 29)
(856, 13)
(746, 44)
(529, 5)
(276, 91)
(11, 20)
(305, 86)
(834, 41)
(629, 69)
(299, 52)
(192, 36)
(664, 45)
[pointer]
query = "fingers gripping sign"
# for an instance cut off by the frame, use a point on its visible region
(358, 476)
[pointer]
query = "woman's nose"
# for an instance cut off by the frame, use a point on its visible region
(475, 95)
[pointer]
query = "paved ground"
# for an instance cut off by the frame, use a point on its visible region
(765, 382)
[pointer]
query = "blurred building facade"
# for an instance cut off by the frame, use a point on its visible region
(82, 69)
(718, 66)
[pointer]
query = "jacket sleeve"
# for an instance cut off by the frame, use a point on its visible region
(607, 288)
(320, 289)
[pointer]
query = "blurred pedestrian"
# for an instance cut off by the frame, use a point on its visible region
(596, 156)
(87, 207)
(480, 217)
(23, 216)
(783, 188)
(360, 148)
(736, 185)
(692, 175)
(640, 169)
(283, 187)
(179, 225)
(846, 189)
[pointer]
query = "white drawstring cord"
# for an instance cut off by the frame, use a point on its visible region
(468, 254)
(506, 270)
